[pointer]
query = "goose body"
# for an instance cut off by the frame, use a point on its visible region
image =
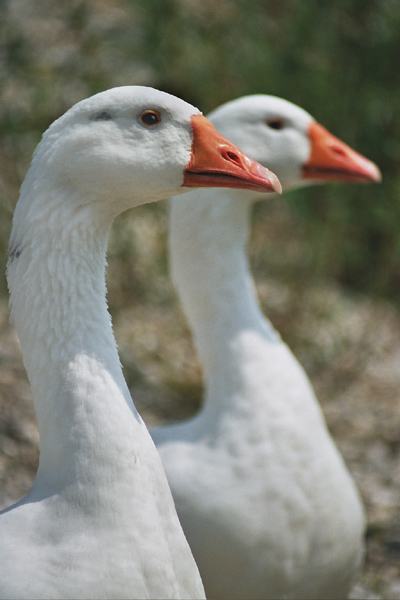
(264, 497)
(99, 521)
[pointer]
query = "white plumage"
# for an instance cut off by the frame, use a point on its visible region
(99, 521)
(264, 497)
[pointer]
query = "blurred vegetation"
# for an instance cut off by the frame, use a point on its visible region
(338, 60)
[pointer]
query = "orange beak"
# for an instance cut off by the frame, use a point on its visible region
(333, 160)
(216, 162)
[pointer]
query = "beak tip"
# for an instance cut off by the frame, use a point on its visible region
(377, 175)
(277, 187)
(272, 183)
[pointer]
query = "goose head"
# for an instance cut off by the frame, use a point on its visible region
(132, 145)
(285, 137)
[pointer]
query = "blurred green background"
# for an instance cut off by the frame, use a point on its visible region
(338, 60)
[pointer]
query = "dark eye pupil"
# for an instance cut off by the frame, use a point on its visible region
(275, 123)
(150, 118)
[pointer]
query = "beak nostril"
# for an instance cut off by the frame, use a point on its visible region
(232, 156)
(338, 150)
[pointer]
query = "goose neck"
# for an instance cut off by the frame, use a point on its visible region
(211, 273)
(56, 276)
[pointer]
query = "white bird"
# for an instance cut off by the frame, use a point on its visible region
(99, 521)
(264, 497)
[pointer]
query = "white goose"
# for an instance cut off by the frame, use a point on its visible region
(263, 495)
(99, 521)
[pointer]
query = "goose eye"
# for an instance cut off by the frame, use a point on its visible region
(150, 118)
(276, 124)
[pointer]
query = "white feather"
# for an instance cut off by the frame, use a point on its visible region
(265, 499)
